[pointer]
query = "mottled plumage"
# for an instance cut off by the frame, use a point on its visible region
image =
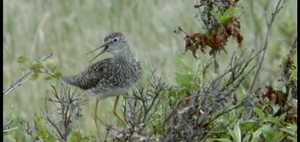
(109, 77)
(100, 79)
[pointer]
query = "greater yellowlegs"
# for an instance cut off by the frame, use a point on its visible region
(109, 77)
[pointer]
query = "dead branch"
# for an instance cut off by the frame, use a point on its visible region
(279, 6)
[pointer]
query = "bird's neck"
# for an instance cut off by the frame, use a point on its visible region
(123, 55)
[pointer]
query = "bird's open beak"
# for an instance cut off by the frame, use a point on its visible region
(105, 45)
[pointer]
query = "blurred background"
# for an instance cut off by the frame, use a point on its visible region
(70, 29)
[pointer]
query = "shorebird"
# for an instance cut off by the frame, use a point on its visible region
(109, 77)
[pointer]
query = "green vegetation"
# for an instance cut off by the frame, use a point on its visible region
(182, 89)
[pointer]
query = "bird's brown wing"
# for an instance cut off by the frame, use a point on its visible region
(90, 77)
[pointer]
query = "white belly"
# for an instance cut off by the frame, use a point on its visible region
(111, 93)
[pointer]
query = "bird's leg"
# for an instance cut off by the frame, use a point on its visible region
(115, 113)
(96, 119)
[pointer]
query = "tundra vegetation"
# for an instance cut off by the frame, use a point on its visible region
(213, 70)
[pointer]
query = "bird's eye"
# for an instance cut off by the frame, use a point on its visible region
(115, 39)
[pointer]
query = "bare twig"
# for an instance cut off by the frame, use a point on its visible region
(11, 129)
(216, 64)
(8, 123)
(5, 130)
(68, 108)
(279, 5)
(5, 127)
(22, 80)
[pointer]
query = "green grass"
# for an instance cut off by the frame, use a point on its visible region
(70, 29)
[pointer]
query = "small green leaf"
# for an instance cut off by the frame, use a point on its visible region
(260, 113)
(295, 102)
(223, 140)
(34, 76)
(224, 19)
(208, 36)
(294, 139)
(271, 119)
(24, 66)
(182, 79)
(53, 81)
(291, 129)
(256, 135)
(48, 77)
(184, 65)
(230, 11)
(268, 133)
(40, 123)
(29, 138)
(242, 94)
(22, 59)
(236, 132)
(294, 74)
(20, 136)
(43, 134)
(58, 75)
(50, 64)
(246, 138)
(75, 136)
(37, 64)
(51, 138)
(76, 133)
(228, 15)
(88, 139)
(9, 138)
(275, 108)
(24, 62)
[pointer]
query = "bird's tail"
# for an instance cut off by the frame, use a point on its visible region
(70, 80)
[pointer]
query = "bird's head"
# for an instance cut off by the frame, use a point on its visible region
(115, 43)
